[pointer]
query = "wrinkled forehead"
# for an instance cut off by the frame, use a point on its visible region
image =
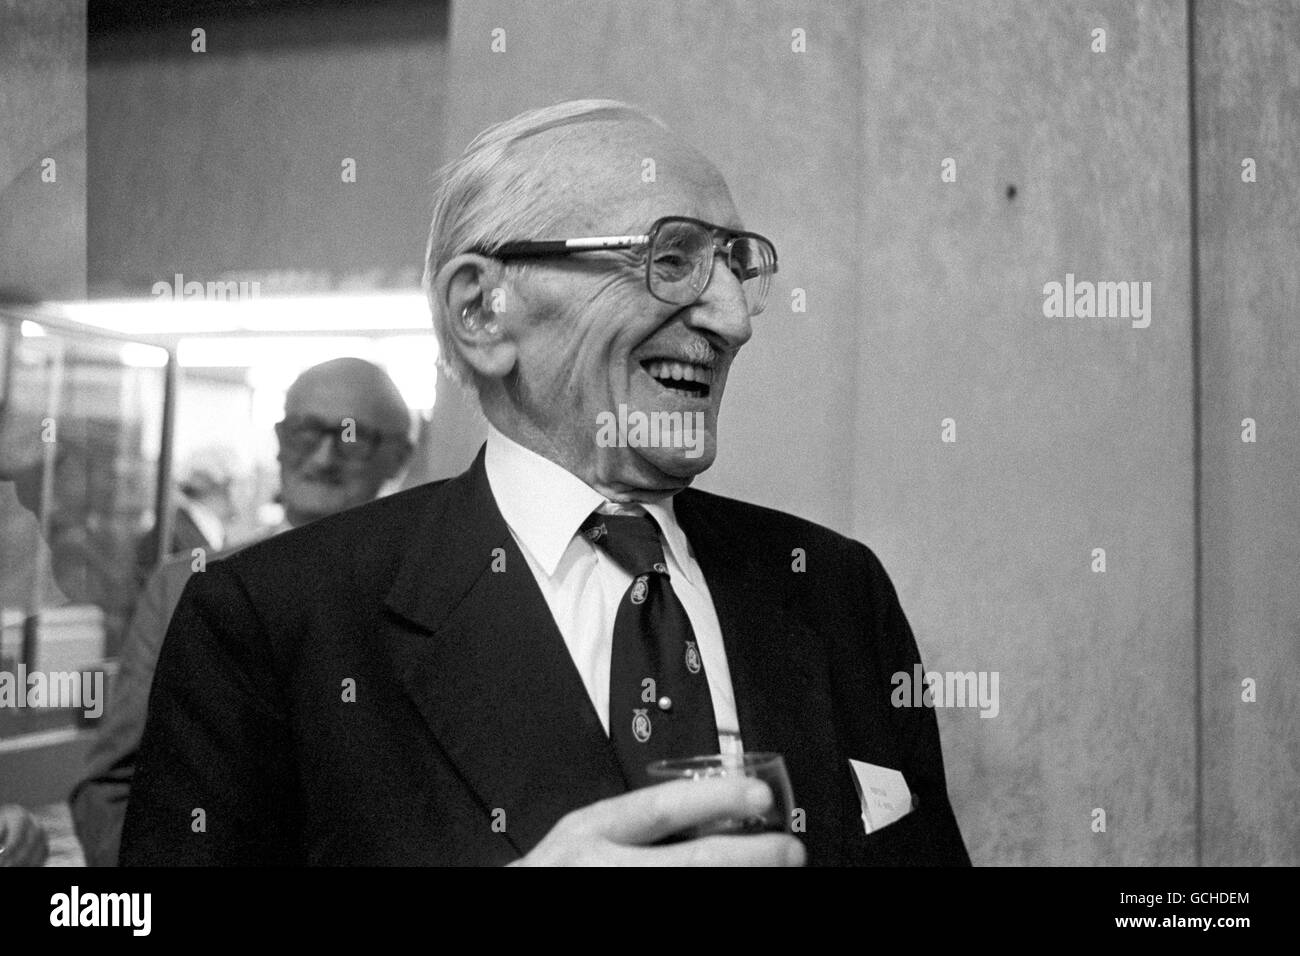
(619, 176)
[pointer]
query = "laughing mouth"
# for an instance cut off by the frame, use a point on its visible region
(686, 378)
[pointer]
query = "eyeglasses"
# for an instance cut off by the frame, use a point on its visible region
(351, 441)
(679, 256)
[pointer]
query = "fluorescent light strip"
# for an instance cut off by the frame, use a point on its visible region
(313, 313)
(411, 360)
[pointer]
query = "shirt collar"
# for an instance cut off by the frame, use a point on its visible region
(544, 504)
(673, 535)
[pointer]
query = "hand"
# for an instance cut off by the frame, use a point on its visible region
(22, 841)
(614, 832)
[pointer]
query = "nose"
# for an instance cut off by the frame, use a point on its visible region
(721, 307)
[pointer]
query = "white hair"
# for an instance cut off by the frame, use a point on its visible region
(488, 196)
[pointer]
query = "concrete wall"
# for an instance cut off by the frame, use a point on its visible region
(1248, 105)
(1071, 433)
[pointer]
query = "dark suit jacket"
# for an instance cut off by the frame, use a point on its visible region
(98, 801)
(468, 709)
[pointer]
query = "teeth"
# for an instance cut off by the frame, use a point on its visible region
(679, 371)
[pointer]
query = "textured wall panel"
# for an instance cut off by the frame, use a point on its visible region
(1072, 434)
(1248, 105)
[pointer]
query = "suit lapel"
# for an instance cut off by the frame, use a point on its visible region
(489, 671)
(778, 668)
(491, 676)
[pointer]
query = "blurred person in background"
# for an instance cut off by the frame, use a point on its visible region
(345, 435)
(204, 508)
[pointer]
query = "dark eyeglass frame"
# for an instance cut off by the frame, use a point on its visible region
(368, 442)
(723, 241)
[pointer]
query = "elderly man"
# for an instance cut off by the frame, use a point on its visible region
(345, 433)
(477, 671)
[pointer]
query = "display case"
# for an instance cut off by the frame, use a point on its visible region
(85, 437)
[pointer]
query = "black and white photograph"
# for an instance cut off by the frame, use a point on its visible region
(754, 433)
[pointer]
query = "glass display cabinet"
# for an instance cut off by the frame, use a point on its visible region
(85, 437)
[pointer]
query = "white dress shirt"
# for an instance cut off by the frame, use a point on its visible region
(544, 505)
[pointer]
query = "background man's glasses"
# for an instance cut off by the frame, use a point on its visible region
(679, 257)
(352, 442)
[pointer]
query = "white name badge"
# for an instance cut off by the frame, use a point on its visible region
(883, 792)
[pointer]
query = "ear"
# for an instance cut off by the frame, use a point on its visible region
(469, 290)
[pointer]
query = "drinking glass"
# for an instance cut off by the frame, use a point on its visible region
(768, 767)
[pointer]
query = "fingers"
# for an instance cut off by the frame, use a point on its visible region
(646, 815)
(615, 832)
(763, 849)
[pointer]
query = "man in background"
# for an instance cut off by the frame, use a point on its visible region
(345, 434)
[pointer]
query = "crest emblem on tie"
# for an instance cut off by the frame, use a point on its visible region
(596, 532)
(692, 658)
(661, 567)
(641, 724)
(639, 589)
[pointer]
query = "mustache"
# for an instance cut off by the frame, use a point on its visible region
(700, 352)
(696, 351)
(331, 475)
